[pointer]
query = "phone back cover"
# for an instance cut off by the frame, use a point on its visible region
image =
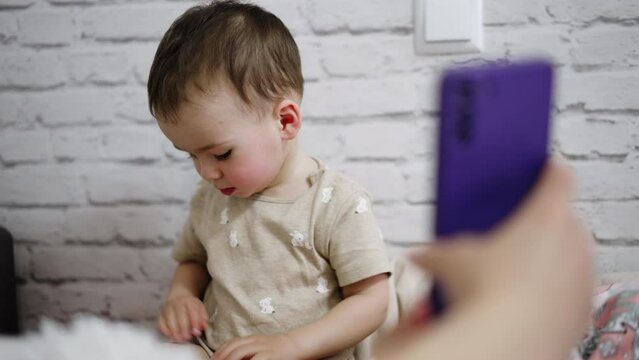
(481, 180)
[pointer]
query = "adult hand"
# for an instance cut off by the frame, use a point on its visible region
(521, 291)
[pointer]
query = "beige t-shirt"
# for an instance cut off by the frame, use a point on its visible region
(277, 265)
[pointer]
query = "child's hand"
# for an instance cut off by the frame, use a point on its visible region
(276, 347)
(183, 317)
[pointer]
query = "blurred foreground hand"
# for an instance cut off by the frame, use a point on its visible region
(521, 291)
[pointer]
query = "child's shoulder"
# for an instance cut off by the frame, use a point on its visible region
(344, 188)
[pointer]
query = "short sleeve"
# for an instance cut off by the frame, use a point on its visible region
(188, 247)
(356, 247)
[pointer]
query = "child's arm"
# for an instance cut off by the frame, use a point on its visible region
(184, 312)
(361, 312)
(191, 278)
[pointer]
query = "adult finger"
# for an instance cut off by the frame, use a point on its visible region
(446, 256)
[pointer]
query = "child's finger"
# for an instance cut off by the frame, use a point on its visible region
(204, 317)
(184, 322)
(194, 319)
(172, 323)
(162, 327)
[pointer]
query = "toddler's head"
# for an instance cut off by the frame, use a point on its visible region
(225, 86)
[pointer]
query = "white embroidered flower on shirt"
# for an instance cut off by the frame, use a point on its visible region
(322, 286)
(224, 216)
(327, 194)
(265, 306)
(362, 206)
(298, 240)
(233, 239)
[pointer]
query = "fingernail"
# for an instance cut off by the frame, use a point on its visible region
(196, 332)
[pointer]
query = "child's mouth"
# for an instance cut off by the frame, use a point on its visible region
(228, 191)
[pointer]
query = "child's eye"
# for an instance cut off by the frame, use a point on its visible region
(224, 156)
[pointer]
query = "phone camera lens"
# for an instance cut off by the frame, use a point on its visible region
(465, 108)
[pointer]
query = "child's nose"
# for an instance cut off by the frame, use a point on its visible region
(210, 171)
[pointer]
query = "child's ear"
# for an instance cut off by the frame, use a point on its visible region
(289, 119)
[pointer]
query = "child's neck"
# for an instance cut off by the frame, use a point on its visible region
(292, 180)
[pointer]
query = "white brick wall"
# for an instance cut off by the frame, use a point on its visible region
(95, 195)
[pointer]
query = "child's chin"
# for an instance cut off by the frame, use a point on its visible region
(240, 195)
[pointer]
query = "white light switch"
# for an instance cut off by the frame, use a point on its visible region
(448, 20)
(448, 26)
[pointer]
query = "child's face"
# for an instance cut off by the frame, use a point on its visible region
(238, 151)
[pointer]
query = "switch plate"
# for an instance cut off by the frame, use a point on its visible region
(448, 26)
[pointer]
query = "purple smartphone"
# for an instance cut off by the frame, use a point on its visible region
(493, 143)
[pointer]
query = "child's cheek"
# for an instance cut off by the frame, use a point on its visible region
(242, 177)
(251, 176)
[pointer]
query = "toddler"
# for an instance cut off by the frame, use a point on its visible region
(280, 258)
